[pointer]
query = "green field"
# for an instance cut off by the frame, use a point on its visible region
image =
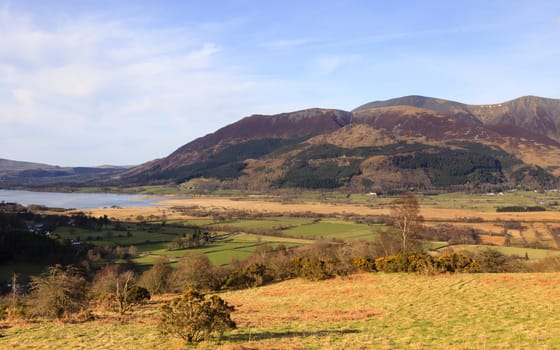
(489, 203)
(479, 202)
(221, 252)
(364, 311)
(533, 254)
(130, 234)
(257, 224)
(336, 229)
(152, 239)
(265, 224)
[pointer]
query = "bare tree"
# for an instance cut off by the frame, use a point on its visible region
(59, 292)
(194, 270)
(111, 286)
(405, 212)
(123, 285)
(156, 279)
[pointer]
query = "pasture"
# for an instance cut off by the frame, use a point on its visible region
(306, 217)
(375, 310)
(336, 229)
(223, 251)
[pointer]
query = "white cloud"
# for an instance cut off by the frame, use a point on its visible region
(85, 87)
(286, 43)
(327, 64)
(23, 96)
(70, 80)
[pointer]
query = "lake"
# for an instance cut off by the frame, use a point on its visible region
(77, 200)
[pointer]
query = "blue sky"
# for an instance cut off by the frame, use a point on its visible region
(124, 82)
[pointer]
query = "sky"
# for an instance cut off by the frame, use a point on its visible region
(94, 82)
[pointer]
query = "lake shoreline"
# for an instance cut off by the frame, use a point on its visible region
(77, 200)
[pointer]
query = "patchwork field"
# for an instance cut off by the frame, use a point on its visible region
(222, 252)
(442, 207)
(294, 217)
(336, 229)
(381, 311)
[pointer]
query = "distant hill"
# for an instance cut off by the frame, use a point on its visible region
(408, 142)
(17, 173)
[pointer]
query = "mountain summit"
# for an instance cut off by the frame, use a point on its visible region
(411, 141)
(535, 114)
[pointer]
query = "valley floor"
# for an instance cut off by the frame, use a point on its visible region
(364, 311)
(479, 212)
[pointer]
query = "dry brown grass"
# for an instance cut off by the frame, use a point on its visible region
(262, 204)
(492, 240)
(364, 311)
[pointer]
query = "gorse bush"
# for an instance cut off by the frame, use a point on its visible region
(494, 261)
(193, 317)
(252, 276)
(424, 263)
(16, 311)
(3, 311)
(455, 262)
(364, 264)
(137, 295)
(312, 268)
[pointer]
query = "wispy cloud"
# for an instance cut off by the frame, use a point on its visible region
(97, 81)
(287, 43)
(327, 64)
(23, 96)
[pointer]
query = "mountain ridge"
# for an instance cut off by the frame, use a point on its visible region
(29, 174)
(426, 120)
(410, 141)
(544, 113)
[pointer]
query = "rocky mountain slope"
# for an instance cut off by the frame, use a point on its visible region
(412, 141)
(535, 114)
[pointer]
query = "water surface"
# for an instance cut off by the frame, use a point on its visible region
(77, 200)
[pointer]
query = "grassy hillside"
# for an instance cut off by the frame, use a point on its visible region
(381, 311)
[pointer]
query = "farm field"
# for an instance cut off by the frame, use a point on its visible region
(152, 239)
(441, 207)
(531, 253)
(336, 229)
(375, 310)
(222, 252)
(295, 216)
(276, 223)
(531, 234)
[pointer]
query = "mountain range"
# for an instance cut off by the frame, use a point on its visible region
(408, 142)
(36, 175)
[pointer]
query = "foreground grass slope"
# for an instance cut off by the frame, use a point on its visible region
(381, 311)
